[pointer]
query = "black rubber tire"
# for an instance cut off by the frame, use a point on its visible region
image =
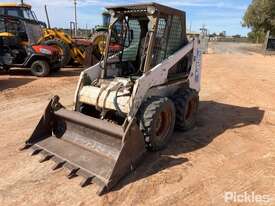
(157, 133)
(40, 68)
(66, 51)
(186, 103)
(6, 68)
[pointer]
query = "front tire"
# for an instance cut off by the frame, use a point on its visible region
(40, 68)
(157, 121)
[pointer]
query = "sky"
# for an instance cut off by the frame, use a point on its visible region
(216, 15)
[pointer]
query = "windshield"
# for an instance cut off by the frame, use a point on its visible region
(2, 11)
(27, 13)
(34, 32)
(11, 25)
(13, 12)
(106, 19)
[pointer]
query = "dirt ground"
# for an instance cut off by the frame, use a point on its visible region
(232, 148)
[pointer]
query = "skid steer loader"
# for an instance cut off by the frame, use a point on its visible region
(129, 103)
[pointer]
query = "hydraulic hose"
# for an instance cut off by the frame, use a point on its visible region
(116, 103)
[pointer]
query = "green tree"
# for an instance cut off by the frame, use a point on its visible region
(260, 17)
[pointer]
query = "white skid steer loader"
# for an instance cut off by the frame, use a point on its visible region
(146, 84)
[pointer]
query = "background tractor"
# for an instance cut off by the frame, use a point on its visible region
(105, 23)
(19, 48)
(146, 85)
(99, 35)
(71, 49)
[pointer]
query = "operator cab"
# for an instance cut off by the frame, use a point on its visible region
(20, 11)
(141, 37)
(17, 10)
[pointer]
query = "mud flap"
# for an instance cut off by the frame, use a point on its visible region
(99, 151)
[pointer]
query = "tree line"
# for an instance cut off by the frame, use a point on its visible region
(260, 17)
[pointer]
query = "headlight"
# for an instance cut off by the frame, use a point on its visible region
(45, 51)
(151, 10)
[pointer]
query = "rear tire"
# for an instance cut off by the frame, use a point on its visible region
(40, 68)
(99, 42)
(186, 103)
(63, 48)
(157, 121)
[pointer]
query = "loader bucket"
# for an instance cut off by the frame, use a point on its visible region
(99, 151)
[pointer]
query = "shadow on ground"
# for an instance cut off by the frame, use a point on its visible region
(67, 72)
(13, 83)
(213, 119)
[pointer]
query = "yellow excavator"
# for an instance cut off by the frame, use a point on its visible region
(70, 49)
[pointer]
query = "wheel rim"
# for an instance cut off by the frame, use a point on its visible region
(38, 68)
(101, 43)
(191, 108)
(163, 123)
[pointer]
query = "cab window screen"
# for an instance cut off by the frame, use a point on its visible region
(130, 53)
(175, 39)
